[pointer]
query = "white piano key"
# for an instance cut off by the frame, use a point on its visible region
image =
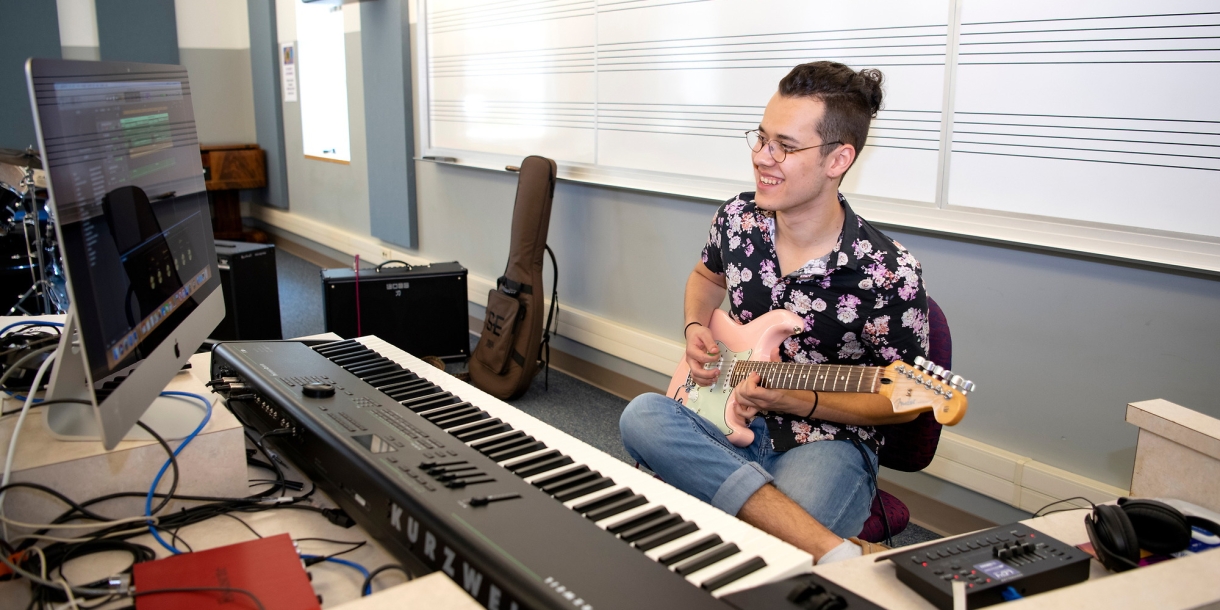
(601, 493)
(557, 471)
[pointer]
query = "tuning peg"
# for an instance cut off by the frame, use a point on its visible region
(957, 381)
(920, 361)
(939, 371)
(968, 387)
(946, 375)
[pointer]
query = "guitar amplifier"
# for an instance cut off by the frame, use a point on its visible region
(421, 308)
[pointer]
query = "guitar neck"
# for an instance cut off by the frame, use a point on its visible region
(816, 377)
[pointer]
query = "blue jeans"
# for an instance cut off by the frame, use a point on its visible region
(827, 478)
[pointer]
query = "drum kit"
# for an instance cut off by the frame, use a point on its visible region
(31, 268)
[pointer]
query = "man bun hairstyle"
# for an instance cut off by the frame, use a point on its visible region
(852, 98)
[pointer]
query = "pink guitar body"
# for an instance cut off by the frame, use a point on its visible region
(758, 340)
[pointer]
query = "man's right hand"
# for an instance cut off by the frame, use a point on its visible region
(700, 350)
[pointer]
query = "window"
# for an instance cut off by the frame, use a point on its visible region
(322, 76)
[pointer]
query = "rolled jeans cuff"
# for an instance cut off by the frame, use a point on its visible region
(740, 485)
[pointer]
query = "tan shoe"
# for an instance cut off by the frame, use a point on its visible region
(868, 548)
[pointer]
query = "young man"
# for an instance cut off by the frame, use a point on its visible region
(809, 476)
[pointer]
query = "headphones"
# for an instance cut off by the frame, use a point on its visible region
(1119, 532)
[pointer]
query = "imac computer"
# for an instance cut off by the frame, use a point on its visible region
(131, 213)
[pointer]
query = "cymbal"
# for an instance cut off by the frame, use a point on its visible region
(20, 158)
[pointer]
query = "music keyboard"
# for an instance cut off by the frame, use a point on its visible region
(546, 518)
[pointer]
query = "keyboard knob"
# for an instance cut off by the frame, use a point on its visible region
(318, 390)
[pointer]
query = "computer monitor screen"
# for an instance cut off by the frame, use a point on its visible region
(126, 181)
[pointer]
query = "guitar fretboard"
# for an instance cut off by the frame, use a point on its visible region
(816, 377)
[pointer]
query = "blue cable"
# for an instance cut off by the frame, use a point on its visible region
(351, 564)
(1010, 594)
(157, 481)
(31, 323)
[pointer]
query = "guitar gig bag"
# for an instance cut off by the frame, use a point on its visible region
(506, 358)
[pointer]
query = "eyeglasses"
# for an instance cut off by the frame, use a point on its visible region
(778, 151)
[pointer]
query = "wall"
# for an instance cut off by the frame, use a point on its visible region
(38, 37)
(1057, 343)
(333, 193)
(214, 45)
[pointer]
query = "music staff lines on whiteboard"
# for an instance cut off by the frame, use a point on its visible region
(1127, 39)
(1152, 142)
(638, 4)
(919, 45)
(576, 115)
(567, 60)
(914, 129)
(506, 13)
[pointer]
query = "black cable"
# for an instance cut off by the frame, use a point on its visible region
(367, 586)
(252, 596)
(354, 547)
(238, 519)
(53, 401)
(1038, 512)
(173, 460)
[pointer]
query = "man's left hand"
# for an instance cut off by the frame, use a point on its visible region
(752, 397)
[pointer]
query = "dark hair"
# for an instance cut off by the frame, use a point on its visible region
(852, 98)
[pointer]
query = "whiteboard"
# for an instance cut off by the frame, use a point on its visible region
(1089, 126)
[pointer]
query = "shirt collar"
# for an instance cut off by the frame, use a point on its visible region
(845, 254)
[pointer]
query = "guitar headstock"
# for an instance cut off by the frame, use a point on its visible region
(926, 385)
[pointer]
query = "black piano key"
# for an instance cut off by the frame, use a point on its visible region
(461, 408)
(567, 478)
(388, 380)
(650, 528)
(477, 432)
(537, 459)
(380, 378)
(605, 500)
(745, 569)
(335, 346)
(483, 423)
(546, 466)
(397, 388)
(344, 351)
(382, 368)
(375, 363)
(484, 444)
(415, 393)
(518, 451)
(505, 443)
(689, 550)
(460, 420)
(427, 404)
(615, 508)
(719, 553)
(583, 489)
(668, 534)
(647, 516)
(355, 357)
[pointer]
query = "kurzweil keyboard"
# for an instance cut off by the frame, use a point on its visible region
(520, 514)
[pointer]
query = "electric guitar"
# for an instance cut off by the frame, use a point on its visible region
(754, 348)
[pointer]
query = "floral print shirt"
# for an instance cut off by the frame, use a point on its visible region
(864, 303)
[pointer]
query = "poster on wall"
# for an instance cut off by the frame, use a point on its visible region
(288, 70)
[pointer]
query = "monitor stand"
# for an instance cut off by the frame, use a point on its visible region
(173, 417)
